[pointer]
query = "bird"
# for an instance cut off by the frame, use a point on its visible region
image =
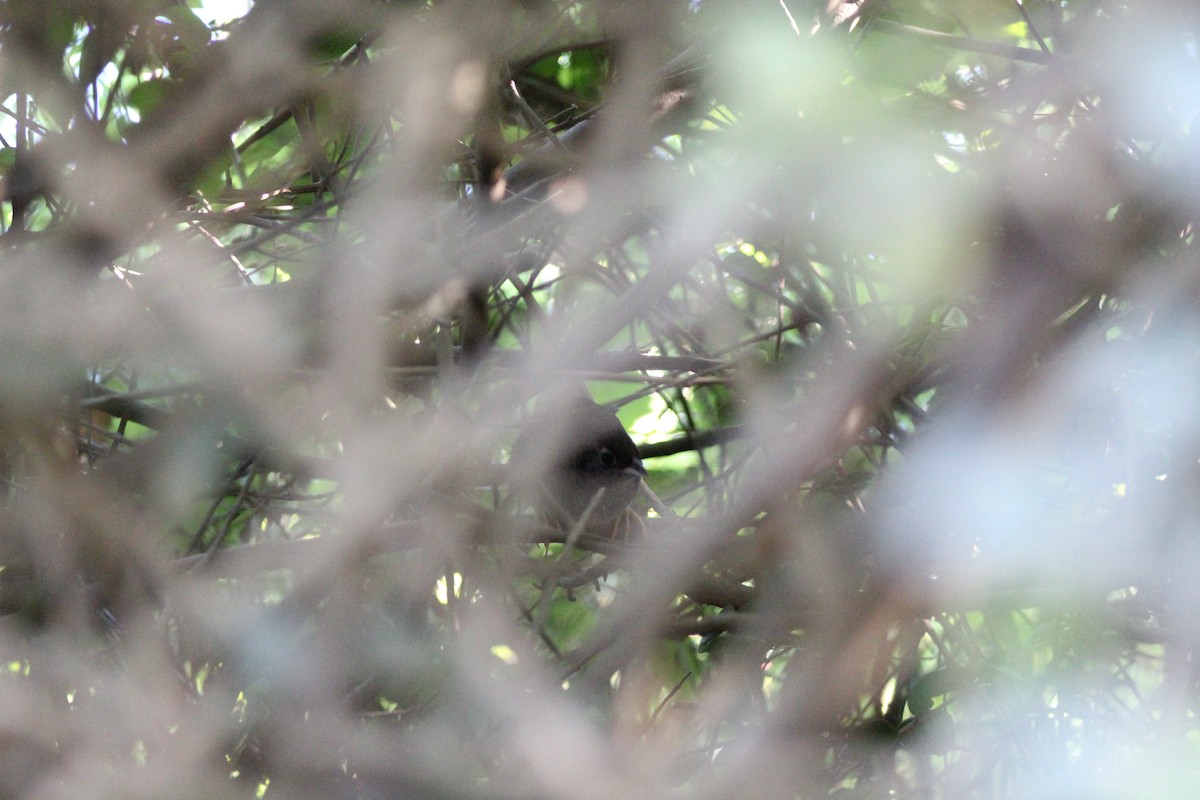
(581, 468)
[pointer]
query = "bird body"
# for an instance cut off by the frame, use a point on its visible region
(587, 466)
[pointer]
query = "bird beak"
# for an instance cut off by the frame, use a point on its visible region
(637, 468)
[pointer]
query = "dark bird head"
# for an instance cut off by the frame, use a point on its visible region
(583, 457)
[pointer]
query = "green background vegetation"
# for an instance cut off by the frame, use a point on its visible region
(897, 298)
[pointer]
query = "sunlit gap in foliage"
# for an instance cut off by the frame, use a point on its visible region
(222, 12)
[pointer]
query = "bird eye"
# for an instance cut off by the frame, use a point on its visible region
(607, 458)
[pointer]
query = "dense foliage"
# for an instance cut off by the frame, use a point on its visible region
(897, 298)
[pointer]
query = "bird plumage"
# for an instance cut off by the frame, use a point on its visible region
(587, 468)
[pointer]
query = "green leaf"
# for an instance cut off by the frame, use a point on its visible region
(583, 71)
(569, 621)
(936, 684)
(186, 37)
(187, 28)
(332, 45)
(544, 67)
(149, 95)
(213, 179)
